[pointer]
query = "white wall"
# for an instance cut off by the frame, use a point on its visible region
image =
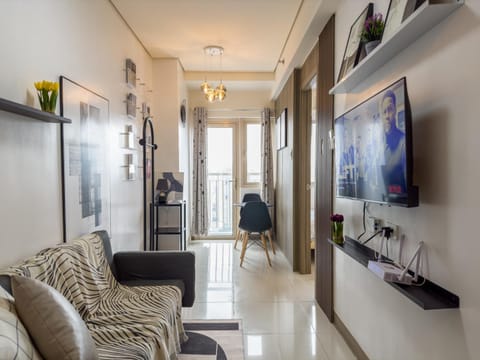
(184, 143)
(170, 136)
(87, 42)
(166, 110)
(442, 75)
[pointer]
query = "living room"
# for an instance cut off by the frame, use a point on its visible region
(88, 42)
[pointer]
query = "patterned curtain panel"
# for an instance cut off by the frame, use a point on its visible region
(200, 185)
(266, 174)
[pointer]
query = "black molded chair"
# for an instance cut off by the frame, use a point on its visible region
(255, 219)
(251, 197)
(247, 197)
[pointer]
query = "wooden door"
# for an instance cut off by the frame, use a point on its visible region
(324, 169)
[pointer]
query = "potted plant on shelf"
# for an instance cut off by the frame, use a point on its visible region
(47, 92)
(372, 32)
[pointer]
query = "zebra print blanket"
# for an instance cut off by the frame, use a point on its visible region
(141, 322)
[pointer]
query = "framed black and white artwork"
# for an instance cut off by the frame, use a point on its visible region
(354, 44)
(281, 130)
(131, 71)
(131, 106)
(130, 166)
(85, 166)
(398, 12)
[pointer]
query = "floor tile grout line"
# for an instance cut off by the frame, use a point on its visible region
(237, 301)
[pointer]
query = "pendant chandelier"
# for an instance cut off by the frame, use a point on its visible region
(214, 93)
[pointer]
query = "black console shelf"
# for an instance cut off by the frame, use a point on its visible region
(168, 230)
(429, 296)
(30, 112)
(180, 230)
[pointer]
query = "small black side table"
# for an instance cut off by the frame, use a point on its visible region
(180, 230)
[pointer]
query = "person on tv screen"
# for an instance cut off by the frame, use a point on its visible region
(347, 165)
(395, 155)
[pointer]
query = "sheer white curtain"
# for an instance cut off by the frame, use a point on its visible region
(266, 173)
(200, 185)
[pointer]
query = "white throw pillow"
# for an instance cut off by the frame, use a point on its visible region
(15, 343)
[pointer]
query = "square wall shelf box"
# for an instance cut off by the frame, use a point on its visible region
(429, 14)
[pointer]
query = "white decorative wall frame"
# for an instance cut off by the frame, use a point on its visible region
(131, 73)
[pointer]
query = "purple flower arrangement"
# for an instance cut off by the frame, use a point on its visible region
(336, 218)
(373, 28)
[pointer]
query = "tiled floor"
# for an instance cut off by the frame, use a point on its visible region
(280, 318)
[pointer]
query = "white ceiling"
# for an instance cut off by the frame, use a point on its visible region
(256, 35)
(252, 32)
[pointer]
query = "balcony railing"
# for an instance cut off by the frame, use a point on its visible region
(220, 194)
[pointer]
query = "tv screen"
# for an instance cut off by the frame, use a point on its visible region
(373, 149)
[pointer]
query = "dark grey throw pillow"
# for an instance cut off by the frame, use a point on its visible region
(55, 326)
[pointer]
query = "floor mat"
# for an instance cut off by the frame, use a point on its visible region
(213, 340)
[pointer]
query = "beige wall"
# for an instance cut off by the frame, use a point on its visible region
(184, 144)
(170, 136)
(442, 75)
(166, 110)
(284, 211)
(87, 42)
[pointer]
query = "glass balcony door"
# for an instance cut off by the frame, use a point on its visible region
(221, 165)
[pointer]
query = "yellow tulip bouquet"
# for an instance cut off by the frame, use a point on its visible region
(47, 92)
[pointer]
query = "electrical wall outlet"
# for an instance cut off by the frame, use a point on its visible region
(377, 224)
(396, 229)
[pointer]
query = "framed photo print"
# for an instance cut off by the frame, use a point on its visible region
(130, 166)
(412, 5)
(131, 71)
(131, 106)
(398, 11)
(354, 44)
(85, 166)
(281, 128)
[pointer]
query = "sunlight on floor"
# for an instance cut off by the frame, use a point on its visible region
(280, 317)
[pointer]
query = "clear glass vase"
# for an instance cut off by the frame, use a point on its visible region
(337, 232)
(371, 45)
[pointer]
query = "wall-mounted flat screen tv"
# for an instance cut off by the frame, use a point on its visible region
(373, 149)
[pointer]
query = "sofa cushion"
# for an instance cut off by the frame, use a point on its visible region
(15, 343)
(5, 283)
(178, 283)
(6, 300)
(55, 326)
(107, 250)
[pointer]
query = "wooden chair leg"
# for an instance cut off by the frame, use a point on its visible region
(269, 234)
(237, 236)
(244, 246)
(265, 247)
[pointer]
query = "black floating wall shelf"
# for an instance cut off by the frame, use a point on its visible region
(30, 112)
(429, 296)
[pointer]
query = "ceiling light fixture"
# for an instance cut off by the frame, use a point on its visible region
(218, 93)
